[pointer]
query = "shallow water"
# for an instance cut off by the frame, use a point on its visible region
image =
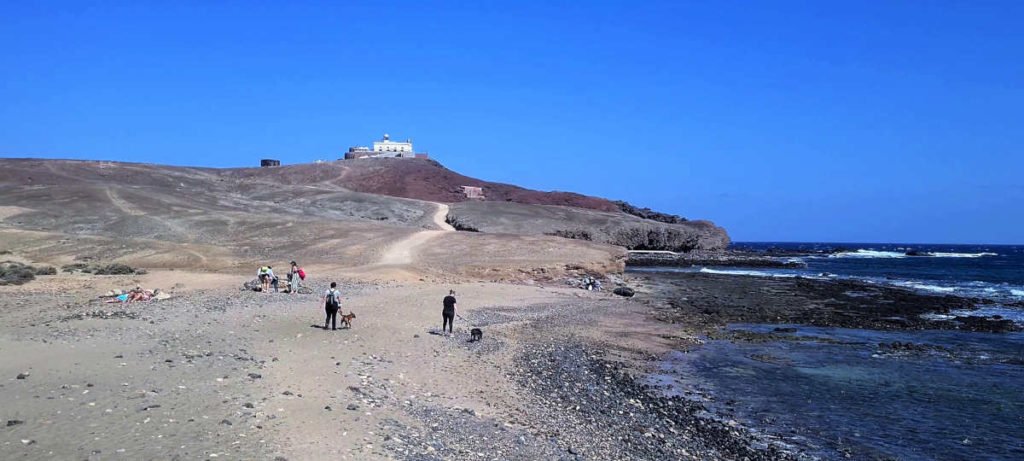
(836, 389)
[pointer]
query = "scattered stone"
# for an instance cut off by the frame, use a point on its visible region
(624, 291)
(14, 422)
(352, 407)
(255, 375)
(23, 375)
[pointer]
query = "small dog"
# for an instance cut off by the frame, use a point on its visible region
(346, 319)
(476, 334)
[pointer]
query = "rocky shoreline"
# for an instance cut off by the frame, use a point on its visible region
(723, 258)
(582, 399)
(707, 302)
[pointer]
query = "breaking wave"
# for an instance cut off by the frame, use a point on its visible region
(705, 270)
(901, 254)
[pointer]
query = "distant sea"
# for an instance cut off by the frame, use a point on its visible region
(840, 395)
(993, 272)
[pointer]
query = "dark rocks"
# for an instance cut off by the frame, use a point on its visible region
(14, 422)
(611, 227)
(647, 213)
(352, 407)
(255, 376)
(986, 324)
(23, 375)
(624, 291)
(712, 259)
(225, 422)
(585, 398)
(709, 301)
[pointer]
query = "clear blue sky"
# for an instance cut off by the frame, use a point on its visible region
(845, 121)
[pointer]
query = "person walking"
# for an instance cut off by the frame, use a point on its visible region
(332, 303)
(448, 313)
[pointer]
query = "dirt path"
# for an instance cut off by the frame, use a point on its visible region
(441, 218)
(403, 251)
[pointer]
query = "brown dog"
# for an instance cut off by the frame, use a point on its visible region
(346, 319)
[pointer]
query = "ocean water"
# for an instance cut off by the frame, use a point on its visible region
(963, 402)
(993, 272)
(839, 395)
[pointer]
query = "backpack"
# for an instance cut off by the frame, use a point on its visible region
(332, 300)
(302, 274)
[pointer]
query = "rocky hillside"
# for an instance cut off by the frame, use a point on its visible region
(63, 212)
(614, 228)
(412, 178)
(256, 211)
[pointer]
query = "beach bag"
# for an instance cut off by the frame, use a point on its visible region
(302, 274)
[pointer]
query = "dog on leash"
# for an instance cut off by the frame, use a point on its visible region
(346, 319)
(476, 334)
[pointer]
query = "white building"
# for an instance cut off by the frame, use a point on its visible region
(399, 149)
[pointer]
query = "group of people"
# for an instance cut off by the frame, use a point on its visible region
(133, 295)
(332, 297)
(268, 280)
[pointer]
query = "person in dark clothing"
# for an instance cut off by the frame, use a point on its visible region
(332, 303)
(449, 312)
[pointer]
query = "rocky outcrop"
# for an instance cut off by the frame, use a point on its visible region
(615, 228)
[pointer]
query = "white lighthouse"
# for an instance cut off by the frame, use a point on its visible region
(398, 149)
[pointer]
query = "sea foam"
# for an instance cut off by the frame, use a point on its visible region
(962, 255)
(745, 272)
(899, 254)
(868, 254)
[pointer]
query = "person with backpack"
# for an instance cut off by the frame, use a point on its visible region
(448, 313)
(332, 303)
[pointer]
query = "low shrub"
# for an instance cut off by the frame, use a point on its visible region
(575, 234)
(115, 269)
(14, 273)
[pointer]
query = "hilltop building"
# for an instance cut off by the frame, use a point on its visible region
(387, 145)
(473, 192)
(269, 162)
(385, 148)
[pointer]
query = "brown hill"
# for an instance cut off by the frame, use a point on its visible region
(60, 211)
(417, 179)
(343, 214)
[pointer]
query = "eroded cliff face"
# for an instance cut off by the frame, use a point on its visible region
(613, 228)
